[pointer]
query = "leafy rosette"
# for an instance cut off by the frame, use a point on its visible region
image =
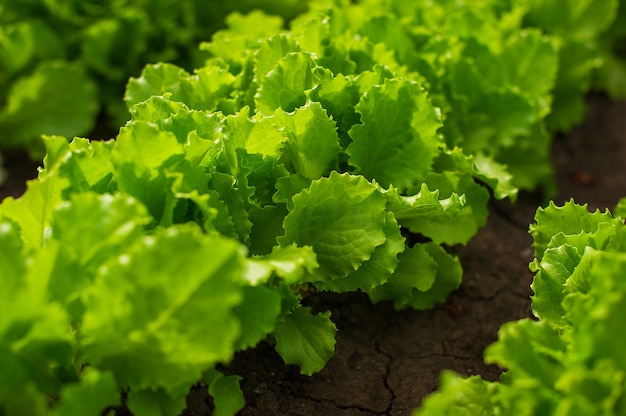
(299, 123)
(571, 360)
(266, 175)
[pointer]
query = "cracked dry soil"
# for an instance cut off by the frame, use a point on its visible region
(387, 361)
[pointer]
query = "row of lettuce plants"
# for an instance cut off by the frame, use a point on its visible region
(570, 359)
(290, 161)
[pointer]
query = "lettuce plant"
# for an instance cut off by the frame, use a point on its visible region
(63, 63)
(570, 359)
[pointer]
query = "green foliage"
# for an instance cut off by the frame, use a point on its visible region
(342, 218)
(57, 98)
(611, 76)
(226, 393)
(576, 26)
(306, 340)
(571, 360)
(64, 63)
(200, 229)
(288, 161)
(398, 149)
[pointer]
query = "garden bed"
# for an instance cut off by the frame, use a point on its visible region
(308, 190)
(387, 361)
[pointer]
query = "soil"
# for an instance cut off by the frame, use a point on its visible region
(387, 361)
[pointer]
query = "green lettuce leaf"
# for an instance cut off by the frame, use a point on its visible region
(36, 343)
(33, 210)
(611, 75)
(96, 391)
(482, 167)
(569, 219)
(155, 402)
(114, 46)
(156, 79)
(257, 313)
(243, 34)
(56, 99)
(271, 51)
(620, 207)
(312, 145)
(146, 298)
(414, 211)
(425, 275)
(530, 350)
(450, 214)
(396, 141)
(284, 86)
(306, 340)
(377, 269)
(555, 268)
(110, 223)
(576, 25)
(293, 264)
(460, 396)
(86, 164)
(342, 218)
(573, 19)
(140, 159)
(226, 393)
(28, 42)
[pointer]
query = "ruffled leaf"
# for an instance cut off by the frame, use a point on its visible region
(306, 340)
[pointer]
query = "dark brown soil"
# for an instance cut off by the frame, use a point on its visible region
(19, 169)
(387, 361)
